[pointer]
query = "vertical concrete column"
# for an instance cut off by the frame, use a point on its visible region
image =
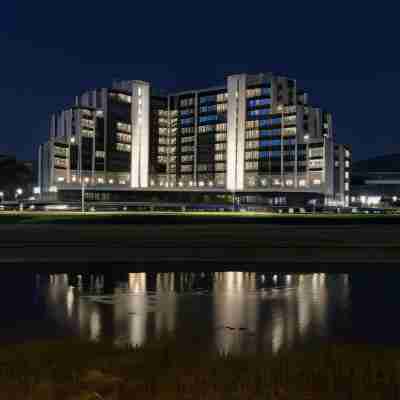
(140, 145)
(236, 126)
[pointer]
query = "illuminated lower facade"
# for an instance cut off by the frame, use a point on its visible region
(256, 134)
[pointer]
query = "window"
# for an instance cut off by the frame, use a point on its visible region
(252, 144)
(123, 127)
(347, 164)
(123, 147)
(254, 113)
(259, 102)
(220, 137)
(186, 168)
(208, 99)
(187, 121)
(346, 186)
(251, 165)
(316, 181)
(302, 182)
(208, 118)
(123, 137)
(220, 146)
(316, 163)
(100, 154)
(346, 175)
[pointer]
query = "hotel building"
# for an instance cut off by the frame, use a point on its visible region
(257, 136)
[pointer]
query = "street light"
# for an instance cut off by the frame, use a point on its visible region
(1, 196)
(19, 192)
(84, 181)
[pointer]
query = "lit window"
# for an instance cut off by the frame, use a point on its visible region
(100, 180)
(111, 181)
(139, 91)
(277, 182)
(122, 182)
(347, 164)
(263, 182)
(346, 175)
(60, 179)
(346, 186)
(302, 182)
(316, 181)
(73, 178)
(201, 183)
(289, 182)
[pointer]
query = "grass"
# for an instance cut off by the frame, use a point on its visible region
(190, 218)
(170, 370)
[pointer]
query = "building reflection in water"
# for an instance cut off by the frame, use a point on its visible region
(237, 310)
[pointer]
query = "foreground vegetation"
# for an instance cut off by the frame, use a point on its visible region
(197, 217)
(167, 370)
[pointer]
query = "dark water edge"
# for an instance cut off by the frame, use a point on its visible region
(238, 311)
(182, 265)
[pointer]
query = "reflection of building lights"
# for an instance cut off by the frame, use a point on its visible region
(70, 300)
(95, 325)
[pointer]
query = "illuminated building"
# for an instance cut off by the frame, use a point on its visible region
(257, 136)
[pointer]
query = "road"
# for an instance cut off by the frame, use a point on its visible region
(177, 247)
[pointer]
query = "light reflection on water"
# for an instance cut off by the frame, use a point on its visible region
(232, 311)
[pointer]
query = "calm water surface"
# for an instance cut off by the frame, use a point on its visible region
(232, 311)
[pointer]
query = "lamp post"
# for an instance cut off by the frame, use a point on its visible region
(84, 181)
(18, 193)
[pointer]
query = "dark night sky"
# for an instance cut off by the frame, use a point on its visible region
(347, 57)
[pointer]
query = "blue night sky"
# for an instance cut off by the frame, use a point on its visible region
(346, 56)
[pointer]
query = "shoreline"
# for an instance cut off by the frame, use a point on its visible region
(166, 369)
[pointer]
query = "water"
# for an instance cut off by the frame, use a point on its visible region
(231, 311)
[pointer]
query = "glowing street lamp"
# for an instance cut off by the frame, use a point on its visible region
(1, 196)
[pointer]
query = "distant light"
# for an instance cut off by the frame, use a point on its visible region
(53, 189)
(263, 182)
(111, 181)
(36, 190)
(152, 183)
(72, 139)
(180, 184)
(86, 180)
(73, 178)
(306, 137)
(1, 194)
(210, 184)
(122, 182)
(190, 183)
(60, 179)
(394, 198)
(100, 180)
(19, 191)
(201, 183)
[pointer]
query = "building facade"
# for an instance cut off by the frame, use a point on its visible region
(257, 136)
